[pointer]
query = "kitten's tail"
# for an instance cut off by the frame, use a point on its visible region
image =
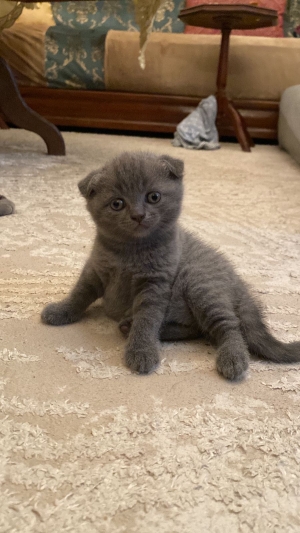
(261, 342)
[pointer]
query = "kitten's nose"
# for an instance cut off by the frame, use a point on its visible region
(138, 217)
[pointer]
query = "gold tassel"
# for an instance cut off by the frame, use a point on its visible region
(145, 11)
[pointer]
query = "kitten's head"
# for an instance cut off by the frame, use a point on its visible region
(135, 195)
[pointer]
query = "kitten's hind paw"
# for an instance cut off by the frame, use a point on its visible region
(142, 360)
(232, 366)
(59, 314)
(125, 326)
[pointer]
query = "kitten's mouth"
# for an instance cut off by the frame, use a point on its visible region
(142, 226)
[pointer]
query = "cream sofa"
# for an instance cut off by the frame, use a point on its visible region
(180, 70)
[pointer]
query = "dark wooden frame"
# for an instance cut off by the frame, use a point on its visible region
(139, 112)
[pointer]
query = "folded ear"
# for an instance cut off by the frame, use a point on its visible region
(174, 166)
(85, 186)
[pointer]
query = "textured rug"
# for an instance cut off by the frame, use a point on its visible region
(85, 445)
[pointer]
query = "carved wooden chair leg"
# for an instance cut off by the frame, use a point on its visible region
(241, 133)
(3, 125)
(17, 112)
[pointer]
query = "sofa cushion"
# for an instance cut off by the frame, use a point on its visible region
(74, 59)
(75, 45)
(260, 68)
(114, 15)
(23, 47)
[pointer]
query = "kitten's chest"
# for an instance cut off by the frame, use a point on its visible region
(119, 275)
(118, 294)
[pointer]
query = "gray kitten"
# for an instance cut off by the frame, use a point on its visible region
(158, 280)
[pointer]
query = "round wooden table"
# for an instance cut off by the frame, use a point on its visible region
(228, 17)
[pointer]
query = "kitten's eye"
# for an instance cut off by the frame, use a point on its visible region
(117, 204)
(153, 197)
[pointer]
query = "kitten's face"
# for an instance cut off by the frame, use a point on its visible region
(135, 195)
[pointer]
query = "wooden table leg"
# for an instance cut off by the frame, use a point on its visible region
(226, 109)
(17, 112)
(251, 142)
(240, 132)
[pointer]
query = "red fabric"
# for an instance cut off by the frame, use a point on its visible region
(272, 31)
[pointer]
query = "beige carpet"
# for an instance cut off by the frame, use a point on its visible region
(86, 446)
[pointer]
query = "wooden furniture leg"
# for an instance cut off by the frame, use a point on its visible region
(226, 109)
(3, 125)
(251, 142)
(16, 111)
(240, 132)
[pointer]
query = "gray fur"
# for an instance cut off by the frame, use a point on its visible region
(7, 207)
(158, 280)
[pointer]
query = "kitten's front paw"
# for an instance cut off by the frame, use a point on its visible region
(59, 314)
(142, 360)
(232, 366)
